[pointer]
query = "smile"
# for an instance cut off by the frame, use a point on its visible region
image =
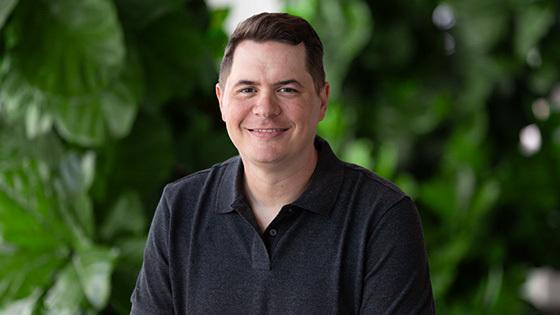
(268, 130)
(267, 133)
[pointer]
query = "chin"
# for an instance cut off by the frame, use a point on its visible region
(264, 158)
(262, 154)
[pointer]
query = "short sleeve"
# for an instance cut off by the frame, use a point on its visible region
(397, 278)
(152, 294)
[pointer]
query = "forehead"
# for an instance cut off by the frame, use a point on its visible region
(269, 59)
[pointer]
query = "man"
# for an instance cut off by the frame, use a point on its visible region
(286, 227)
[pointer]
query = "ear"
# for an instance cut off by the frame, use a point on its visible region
(324, 97)
(219, 94)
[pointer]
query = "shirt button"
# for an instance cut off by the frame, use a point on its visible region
(272, 232)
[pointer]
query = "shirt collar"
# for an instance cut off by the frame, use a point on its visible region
(319, 196)
(322, 190)
(230, 190)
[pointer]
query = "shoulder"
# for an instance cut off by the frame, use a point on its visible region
(372, 189)
(195, 183)
(372, 178)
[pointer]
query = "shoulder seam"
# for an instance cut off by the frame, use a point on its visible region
(202, 172)
(391, 207)
(373, 176)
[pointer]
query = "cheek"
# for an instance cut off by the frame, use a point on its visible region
(309, 113)
(234, 113)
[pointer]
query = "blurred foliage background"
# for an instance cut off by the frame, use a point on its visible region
(102, 102)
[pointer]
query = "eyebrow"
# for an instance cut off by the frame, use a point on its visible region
(245, 82)
(283, 82)
(290, 81)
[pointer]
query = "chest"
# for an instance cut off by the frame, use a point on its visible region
(303, 263)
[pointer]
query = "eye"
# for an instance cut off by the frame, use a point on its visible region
(247, 90)
(287, 90)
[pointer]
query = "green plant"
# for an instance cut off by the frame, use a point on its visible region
(96, 97)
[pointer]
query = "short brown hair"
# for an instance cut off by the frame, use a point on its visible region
(280, 27)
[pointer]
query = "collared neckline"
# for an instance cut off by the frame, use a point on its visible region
(230, 194)
(319, 196)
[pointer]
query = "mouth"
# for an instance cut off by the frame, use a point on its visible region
(267, 132)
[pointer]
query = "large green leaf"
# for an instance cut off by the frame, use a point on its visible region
(94, 266)
(67, 48)
(88, 119)
(22, 102)
(64, 297)
(52, 204)
(23, 306)
(87, 276)
(72, 72)
(24, 271)
(14, 148)
(76, 177)
(33, 237)
(28, 208)
(45, 212)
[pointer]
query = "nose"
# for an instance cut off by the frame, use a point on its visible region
(266, 106)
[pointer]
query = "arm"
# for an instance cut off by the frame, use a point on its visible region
(152, 294)
(397, 279)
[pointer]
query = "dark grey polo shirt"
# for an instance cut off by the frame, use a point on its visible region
(351, 244)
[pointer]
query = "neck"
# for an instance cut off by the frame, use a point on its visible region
(269, 187)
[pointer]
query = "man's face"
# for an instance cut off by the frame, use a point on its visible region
(269, 103)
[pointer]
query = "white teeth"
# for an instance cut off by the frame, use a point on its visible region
(267, 130)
